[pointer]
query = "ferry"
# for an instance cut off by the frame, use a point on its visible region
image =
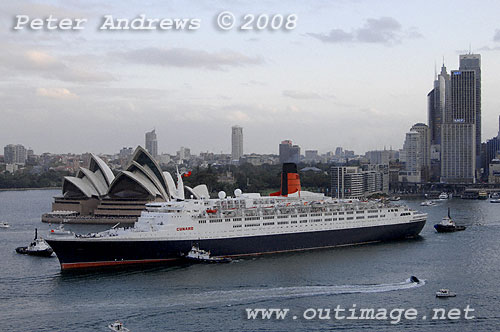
(245, 224)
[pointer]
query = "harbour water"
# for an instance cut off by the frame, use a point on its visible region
(36, 296)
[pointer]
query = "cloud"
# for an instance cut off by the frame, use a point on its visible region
(189, 58)
(18, 61)
(300, 94)
(57, 93)
(384, 30)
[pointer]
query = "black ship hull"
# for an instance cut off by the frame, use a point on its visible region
(448, 229)
(82, 253)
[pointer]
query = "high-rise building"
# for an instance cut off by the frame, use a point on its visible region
(184, 153)
(15, 154)
(413, 159)
(424, 150)
(458, 142)
(438, 101)
(236, 142)
(288, 152)
(152, 143)
(473, 62)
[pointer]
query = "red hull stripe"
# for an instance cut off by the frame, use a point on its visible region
(67, 266)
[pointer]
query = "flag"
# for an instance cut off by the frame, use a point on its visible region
(187, 174)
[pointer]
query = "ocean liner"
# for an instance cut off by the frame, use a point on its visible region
(243, 225)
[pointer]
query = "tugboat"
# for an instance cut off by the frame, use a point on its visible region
(445, 293)
(118, 326)
(447, 225)
(36, 248)
(200, 255)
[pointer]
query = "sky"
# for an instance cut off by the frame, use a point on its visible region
(350, 73)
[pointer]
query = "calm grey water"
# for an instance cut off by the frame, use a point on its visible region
(36, 296)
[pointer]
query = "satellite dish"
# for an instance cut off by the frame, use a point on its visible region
(222, 194)
(237, 192)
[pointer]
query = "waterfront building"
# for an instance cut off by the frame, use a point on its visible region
(494, 171)
(152, 143)
(458, 139)
(353, 182)
(15, 154)
(288, 152)
(236, 143)
(346, 182)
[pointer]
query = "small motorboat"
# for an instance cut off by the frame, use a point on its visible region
(200, 255)
(427, 203)
(495, 200)
(118, 326)
(414, 279)
(445, 293)
(447, 225)
(4, 225)
(495, 196)
(36, 248)
(482, 195)
(59, 231)
(395, 199)
(443, 195)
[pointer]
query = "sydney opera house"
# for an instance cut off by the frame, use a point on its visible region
(96, 196)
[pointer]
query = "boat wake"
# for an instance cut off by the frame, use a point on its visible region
(262, 294)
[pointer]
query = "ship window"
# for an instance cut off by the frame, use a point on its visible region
(282, 222)
(382, 215)
(303, 221)
(267, 223)
(350, 218)
(303, 215)
(328, 219)
(360, 212)
(294, 221)
(360, 217)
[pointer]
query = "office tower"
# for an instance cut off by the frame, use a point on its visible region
(458, 138)
(288, 152)
(152, 143)
(473, 62)
(437, 101)
(236, 142)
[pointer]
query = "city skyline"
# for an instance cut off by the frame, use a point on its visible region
(368, 76)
